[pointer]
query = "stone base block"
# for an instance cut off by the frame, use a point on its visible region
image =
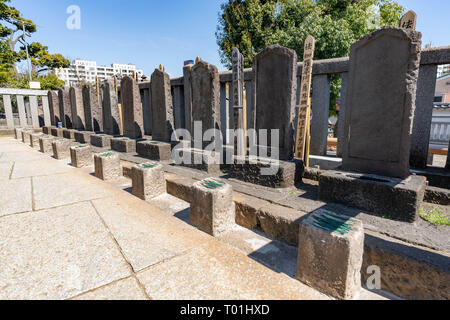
(18, 133)
(436, 177)
(34, 140)
(394, 198)
(47, 130)
(101, 140)
(198, 159)
(57, 132)
(61, 148)
(330, 254)
(264, 172)
(45, 144)
(83, 136)
(107, 166)
(26, 136)
(123, 144)
(325, 163)
(81, 156)
(148, 180)
(69, 134)
(212, 207)
(154, 150)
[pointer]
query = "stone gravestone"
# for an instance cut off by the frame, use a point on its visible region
(92, 111)
(383, 73)
(65, 109)
(274, 93)
(111, 116)
(133, 123)
(162, 119)
(381, 94)
(53, 104)
(447, 166)
(76, 102)
(238, 102)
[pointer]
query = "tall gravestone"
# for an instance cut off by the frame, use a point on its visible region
(238, 102)
(383, 73)
(274, 95)
(447, 166)
(162, 107)
(111, 116)
(381, 94)
(133, 123)
(65, 109)
(53, 104)
(76, 102)
(92, 111)
(205, 93)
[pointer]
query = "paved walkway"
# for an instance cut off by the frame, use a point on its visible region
(64, 234)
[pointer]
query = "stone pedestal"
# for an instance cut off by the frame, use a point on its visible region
(212, 207)
(198, 159)
(26, 136)
(61, 148)
(330, 254)
(57, 132)
(34, 139)
(148, 180)
(101, 140)
(83, 136)
(107, 166)
(395, 198)
(154, 150)
(123, 144)
(18, 133)
(45, 144)
(81, 156)
(265, 172)
(69, 134)
(46, 129)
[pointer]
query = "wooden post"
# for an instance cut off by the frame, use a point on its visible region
(409, 20)
(304, 110)
(238, 102)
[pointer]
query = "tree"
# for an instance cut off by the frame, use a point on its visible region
(252, 25)
(40, 57)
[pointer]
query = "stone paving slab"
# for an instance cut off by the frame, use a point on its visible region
(5, 170)
(15, 196)
(126, 289)
(146, 235)
(63, 189)
(23, 156)
(37, 168)
(57, 254)
(216, 271)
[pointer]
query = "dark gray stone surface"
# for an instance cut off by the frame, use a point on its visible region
(205, 90)
(133, 121)
(65, 109)
(447, 165)
(250, 171)
(384, 67)
(83, 136)
(53, 105)
(111, 116)
(162, 107)
(92, 111)
(101, 140)
(69, 134)
(274, 94)
(437, 196)
(154, 150)
(76, 103)
(57, 132)
(436, 177)
(123, 144)
(207, 163)
(394, 198)
(187, 71)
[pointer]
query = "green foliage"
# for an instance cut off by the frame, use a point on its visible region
(252, 25)
(50, 82)
(435, 217)
(40, 57)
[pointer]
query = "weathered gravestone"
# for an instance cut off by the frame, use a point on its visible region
(162, 119)
(381, 95)
(274, 97)
(447, 166)
(238, 103)
(133, 124)
(204, 91)
(53, 104)
(92, 111)
(76, 102)
(65, 109)
(110, 116)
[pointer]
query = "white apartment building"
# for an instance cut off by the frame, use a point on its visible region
(443, 70)
(87, 70)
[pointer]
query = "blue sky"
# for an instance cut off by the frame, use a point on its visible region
(152, 32)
